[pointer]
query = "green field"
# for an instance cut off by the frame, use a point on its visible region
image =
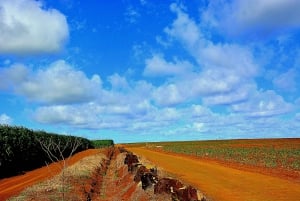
(270, 153)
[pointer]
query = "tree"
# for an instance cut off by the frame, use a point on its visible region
(60, 150)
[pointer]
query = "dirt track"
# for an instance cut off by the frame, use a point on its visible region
(222, 183)
(14, 185)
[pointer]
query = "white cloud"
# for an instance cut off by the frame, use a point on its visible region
(264, 104)
(56, 84)
(132, 15)
(123, 92)
(27, 27)
(253, 17)
(230, 59)
(62, 114)
(167, 114)
(158, 66)
(199, 111)
(286, 81)
(212, 86)
(133, 116)
(5, 119)
(199, 127)
(168, 95)
(184, 27)
(239, 95)
(118, 82)
(297, 116)
(13, 76)
(227, 58)
(87, 116)
(224, 70)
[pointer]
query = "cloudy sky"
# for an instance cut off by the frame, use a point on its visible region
(147, 70)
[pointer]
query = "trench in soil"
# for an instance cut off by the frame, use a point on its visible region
(115, 183)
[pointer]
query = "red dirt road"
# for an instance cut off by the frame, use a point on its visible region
(222, 183)
(14, 185)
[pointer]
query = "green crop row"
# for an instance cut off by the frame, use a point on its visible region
(102, 143)
(21, 148)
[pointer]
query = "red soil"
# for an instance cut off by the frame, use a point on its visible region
(283, 173)
(14, 185)
(112, 184)
(223, 183)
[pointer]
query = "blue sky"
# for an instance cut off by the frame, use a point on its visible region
(141, 70)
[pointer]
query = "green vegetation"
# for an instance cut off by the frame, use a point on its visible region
(20, 148)
(272, 153)
(102, 143)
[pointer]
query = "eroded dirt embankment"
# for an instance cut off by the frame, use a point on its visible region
(118, 184)
(222, 183)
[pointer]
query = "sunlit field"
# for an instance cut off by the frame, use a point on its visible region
(270, 153)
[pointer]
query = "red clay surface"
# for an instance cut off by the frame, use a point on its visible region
(14, 185)
(221, 183)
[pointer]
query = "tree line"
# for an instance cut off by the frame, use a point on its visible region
(102, 143)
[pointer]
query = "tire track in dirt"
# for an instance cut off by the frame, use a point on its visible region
(14, 185)
(222, 183)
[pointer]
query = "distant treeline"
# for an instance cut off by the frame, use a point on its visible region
(102, 143)
(21, 150)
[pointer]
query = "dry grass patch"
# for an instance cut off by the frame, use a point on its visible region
(68, 185)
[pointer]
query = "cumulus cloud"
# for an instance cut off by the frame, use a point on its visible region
(58, 83)
(158, 66)
(167, 114)
(184, 27)
(239, 95)
(12, 76)
(118, 82)
(199, 127)
(255, 17)
(168, 95)
(287, 80)
(222, 56)
(23, 29)
(263, 104)
(119, 106)
(94, 115)
(124, 92)
(198, 111)
(87, 116)
(223, 69)
(5, 119)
